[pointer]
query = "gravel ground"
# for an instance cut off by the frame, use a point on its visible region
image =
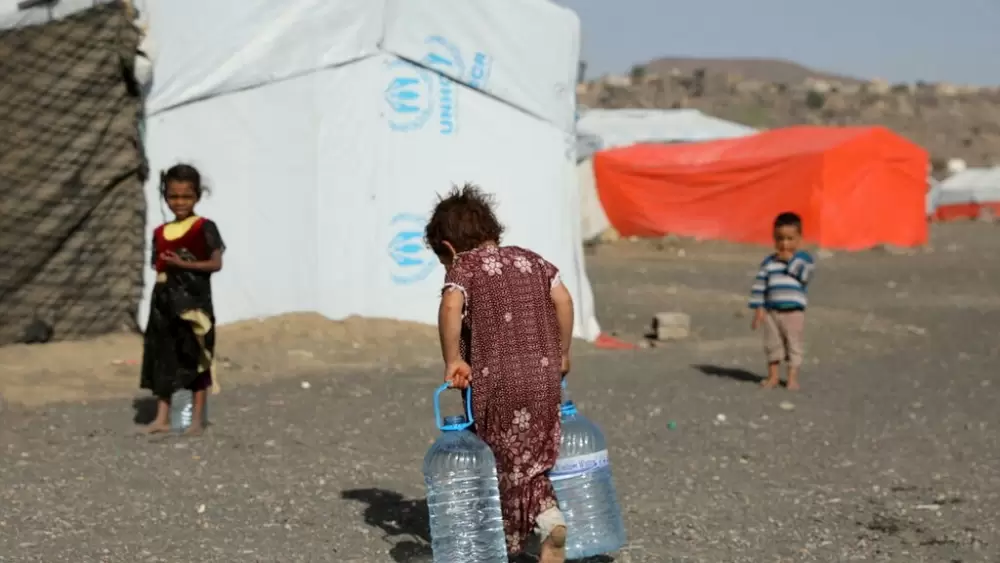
(889, 454)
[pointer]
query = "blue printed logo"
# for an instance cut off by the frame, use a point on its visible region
(410, 96)
(413, 261)
(419, 93)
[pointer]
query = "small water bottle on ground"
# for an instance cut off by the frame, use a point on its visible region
(182, 410)
(584, 487)
(463, 497)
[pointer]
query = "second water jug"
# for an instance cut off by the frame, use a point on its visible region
(463, 497)
(182, 410)
(584, 488)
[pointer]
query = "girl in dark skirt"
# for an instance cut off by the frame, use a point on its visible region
(179, 344)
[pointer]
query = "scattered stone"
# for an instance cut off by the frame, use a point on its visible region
(671, 326)
(894, 250)
(608, 236)
(824, 254)
(306, 385)
(787, 406)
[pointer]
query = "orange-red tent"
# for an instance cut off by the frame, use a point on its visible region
(855, 187)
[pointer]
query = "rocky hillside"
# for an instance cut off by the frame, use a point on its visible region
(950, 121)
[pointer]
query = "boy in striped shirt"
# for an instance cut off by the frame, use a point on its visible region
(778, 298)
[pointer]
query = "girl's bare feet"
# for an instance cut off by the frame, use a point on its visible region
(194, 430)
(155, 427)
(554, 547)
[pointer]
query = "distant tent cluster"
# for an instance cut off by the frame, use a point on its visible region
(855, 187)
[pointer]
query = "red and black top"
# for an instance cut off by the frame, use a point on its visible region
(197, 244)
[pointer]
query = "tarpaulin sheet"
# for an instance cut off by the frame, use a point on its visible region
(855, 187)
(71, 199)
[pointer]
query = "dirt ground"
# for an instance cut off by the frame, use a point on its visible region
(890, 453)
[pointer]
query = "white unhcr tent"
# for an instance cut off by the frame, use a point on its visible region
(602, 129)
(327, 127)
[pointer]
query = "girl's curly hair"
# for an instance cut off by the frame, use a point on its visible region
(465, 219)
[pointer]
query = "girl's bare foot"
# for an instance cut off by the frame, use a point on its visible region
(155, 428)
(554, 547)
(194, 430)
(770, 383)
(792, 385)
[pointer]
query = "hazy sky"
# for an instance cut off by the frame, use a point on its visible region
(898, 40)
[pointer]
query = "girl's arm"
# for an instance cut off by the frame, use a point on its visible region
(450, 325)
(564, 314)
(210, 266)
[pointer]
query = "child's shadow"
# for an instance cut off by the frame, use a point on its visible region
(145, 410)
(736, 374)
(396, 517)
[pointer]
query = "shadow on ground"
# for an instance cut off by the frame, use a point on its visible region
(399, 519)
(406, 520)
(145, 410)
(736, 374)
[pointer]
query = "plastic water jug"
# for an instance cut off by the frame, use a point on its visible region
(463, 497)
(584, 487)
(182, 410)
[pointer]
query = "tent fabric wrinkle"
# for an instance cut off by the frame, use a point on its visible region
(855, 187)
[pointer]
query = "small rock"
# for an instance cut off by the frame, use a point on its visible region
(609, 235)
(720, 417)
(301, 353)
(306, 385)
(824, 254)
(201, 509)
(671, 326)
(787, 406)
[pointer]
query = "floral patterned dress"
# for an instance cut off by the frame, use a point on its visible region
(510, 338)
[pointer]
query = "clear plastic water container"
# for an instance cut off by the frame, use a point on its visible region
(463, 496)
(182, 410)
(585, 489)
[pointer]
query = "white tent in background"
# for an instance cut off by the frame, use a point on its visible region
(601, 129)
(327, 127)
(967, 193)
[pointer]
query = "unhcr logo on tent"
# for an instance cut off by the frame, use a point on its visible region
(418, 92)
(412, 260)
(410, 95)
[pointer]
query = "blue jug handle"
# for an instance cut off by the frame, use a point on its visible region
(437, 410)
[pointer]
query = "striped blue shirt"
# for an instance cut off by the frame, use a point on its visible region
(781, 285)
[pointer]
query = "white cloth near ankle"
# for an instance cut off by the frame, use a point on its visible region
(548, 521)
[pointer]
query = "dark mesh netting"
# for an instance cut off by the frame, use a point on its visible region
(72, 211)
